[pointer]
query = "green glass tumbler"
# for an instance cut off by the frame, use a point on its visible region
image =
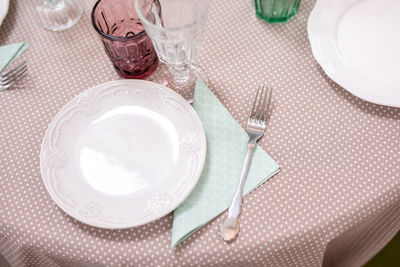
(274, 11)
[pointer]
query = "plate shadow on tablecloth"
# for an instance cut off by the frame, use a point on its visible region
(364, 106)
(132, 234)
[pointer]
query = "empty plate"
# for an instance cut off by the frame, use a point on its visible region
(357, 43)
(123, 153)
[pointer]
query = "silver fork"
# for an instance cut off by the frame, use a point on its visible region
(11, 77)
(255, 128)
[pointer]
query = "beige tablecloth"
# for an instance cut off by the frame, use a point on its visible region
(336, 200)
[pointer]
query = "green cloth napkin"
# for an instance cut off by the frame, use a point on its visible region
(226, 149)
(9, 53)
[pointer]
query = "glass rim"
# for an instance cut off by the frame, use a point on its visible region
(173, 29)
(107, 35)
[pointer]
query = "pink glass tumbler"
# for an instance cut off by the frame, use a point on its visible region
(125, 41)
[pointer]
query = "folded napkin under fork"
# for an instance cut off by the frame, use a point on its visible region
(226, 148)
(9, 53)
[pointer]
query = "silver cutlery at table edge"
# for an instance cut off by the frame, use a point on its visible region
(256, 125)
(11, 77)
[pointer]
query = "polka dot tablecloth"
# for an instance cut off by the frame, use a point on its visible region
(335, 202)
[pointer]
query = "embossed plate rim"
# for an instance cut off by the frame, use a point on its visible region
(89, 212)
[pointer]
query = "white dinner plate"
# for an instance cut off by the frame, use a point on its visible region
(4, 4)
(357, 43)
(122, 154)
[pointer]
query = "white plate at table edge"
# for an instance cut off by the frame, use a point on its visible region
(4, 5)
(322, 36)
(53, 161)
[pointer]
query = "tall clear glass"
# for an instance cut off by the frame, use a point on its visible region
(176, 28)
(59, 15)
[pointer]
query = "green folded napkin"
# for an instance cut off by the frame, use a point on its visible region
(9, 53)
(226, 149)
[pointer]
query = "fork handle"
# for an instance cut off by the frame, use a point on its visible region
(235, 207)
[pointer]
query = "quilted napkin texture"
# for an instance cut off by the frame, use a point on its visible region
(9, 53)
(226, 149)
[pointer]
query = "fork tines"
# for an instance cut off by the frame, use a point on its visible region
(10, 77)
(261, 105)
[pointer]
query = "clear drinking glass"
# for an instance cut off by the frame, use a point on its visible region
(175, 28)
(274, 11)
(125, 41)
(59, 15)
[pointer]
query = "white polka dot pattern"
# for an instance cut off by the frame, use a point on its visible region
(339, 155)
